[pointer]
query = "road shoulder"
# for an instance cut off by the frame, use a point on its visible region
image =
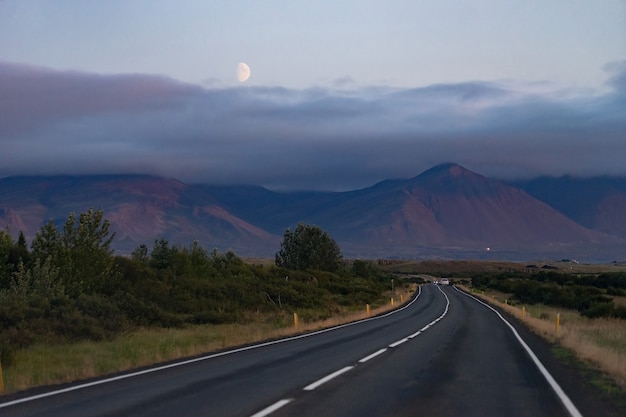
(579, 380)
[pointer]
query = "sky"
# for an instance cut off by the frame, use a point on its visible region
(341, 94)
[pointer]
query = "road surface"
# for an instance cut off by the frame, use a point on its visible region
(444, 354)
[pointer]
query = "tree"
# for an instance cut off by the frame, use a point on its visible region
(161, 255)
(41, 279)
(89, 246)
(19, 251)
(47, 242)
(81, 252)
(140, 254)
(6, 244)
(11, 255)
(309, 247)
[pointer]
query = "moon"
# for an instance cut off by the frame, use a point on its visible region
(243, 72)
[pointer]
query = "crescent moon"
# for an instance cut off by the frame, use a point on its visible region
(243, 72)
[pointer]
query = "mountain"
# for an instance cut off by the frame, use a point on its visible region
(452, 209)
(596, 203)
(140, 209)
(447, 211)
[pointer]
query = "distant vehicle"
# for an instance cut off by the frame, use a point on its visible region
(444, 281)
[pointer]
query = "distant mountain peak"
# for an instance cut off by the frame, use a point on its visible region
(451, 169)
(446, 166)
(450, 173)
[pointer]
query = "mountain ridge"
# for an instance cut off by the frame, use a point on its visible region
(446, 211)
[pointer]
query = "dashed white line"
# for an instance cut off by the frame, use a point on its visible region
(269, 410)
(327, 378)
(399, 342)
(373, 355)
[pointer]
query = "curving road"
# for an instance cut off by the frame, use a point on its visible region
(444, 354)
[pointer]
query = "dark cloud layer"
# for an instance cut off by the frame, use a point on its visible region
(54, 122)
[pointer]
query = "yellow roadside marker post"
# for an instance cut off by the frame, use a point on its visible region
(295, 320)
(557, 323)
(367, 309)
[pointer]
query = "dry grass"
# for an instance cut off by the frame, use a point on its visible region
(468, 267)
(619, 301)
(53, 364)
(601, 342)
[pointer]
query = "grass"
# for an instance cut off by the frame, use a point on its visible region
(601, 380)
(41, 364)
(598, 342)
(469, 267)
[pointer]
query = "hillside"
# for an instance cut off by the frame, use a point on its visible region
(447, 212)
(596, 203)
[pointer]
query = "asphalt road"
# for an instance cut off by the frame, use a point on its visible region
(445, 354)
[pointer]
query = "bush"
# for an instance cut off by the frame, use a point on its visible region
(598, 309)
(61, 293)
(584, 294)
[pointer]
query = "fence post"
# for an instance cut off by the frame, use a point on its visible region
(557, 323)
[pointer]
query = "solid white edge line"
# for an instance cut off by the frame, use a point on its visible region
(269, 410)
(202, 358)
(327, 378)
(567, 402)
(373, 355)
(399, 342)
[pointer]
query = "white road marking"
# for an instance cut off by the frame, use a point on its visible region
(373, 355)
(202, 358)
(399, 342)
(567, 402)
(327, 378)
(269, 410)
(335, 374)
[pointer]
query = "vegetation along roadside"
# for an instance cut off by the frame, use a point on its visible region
(69, 296)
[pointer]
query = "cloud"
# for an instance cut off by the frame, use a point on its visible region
(55, 122)
(617, 78)
(33, 97)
